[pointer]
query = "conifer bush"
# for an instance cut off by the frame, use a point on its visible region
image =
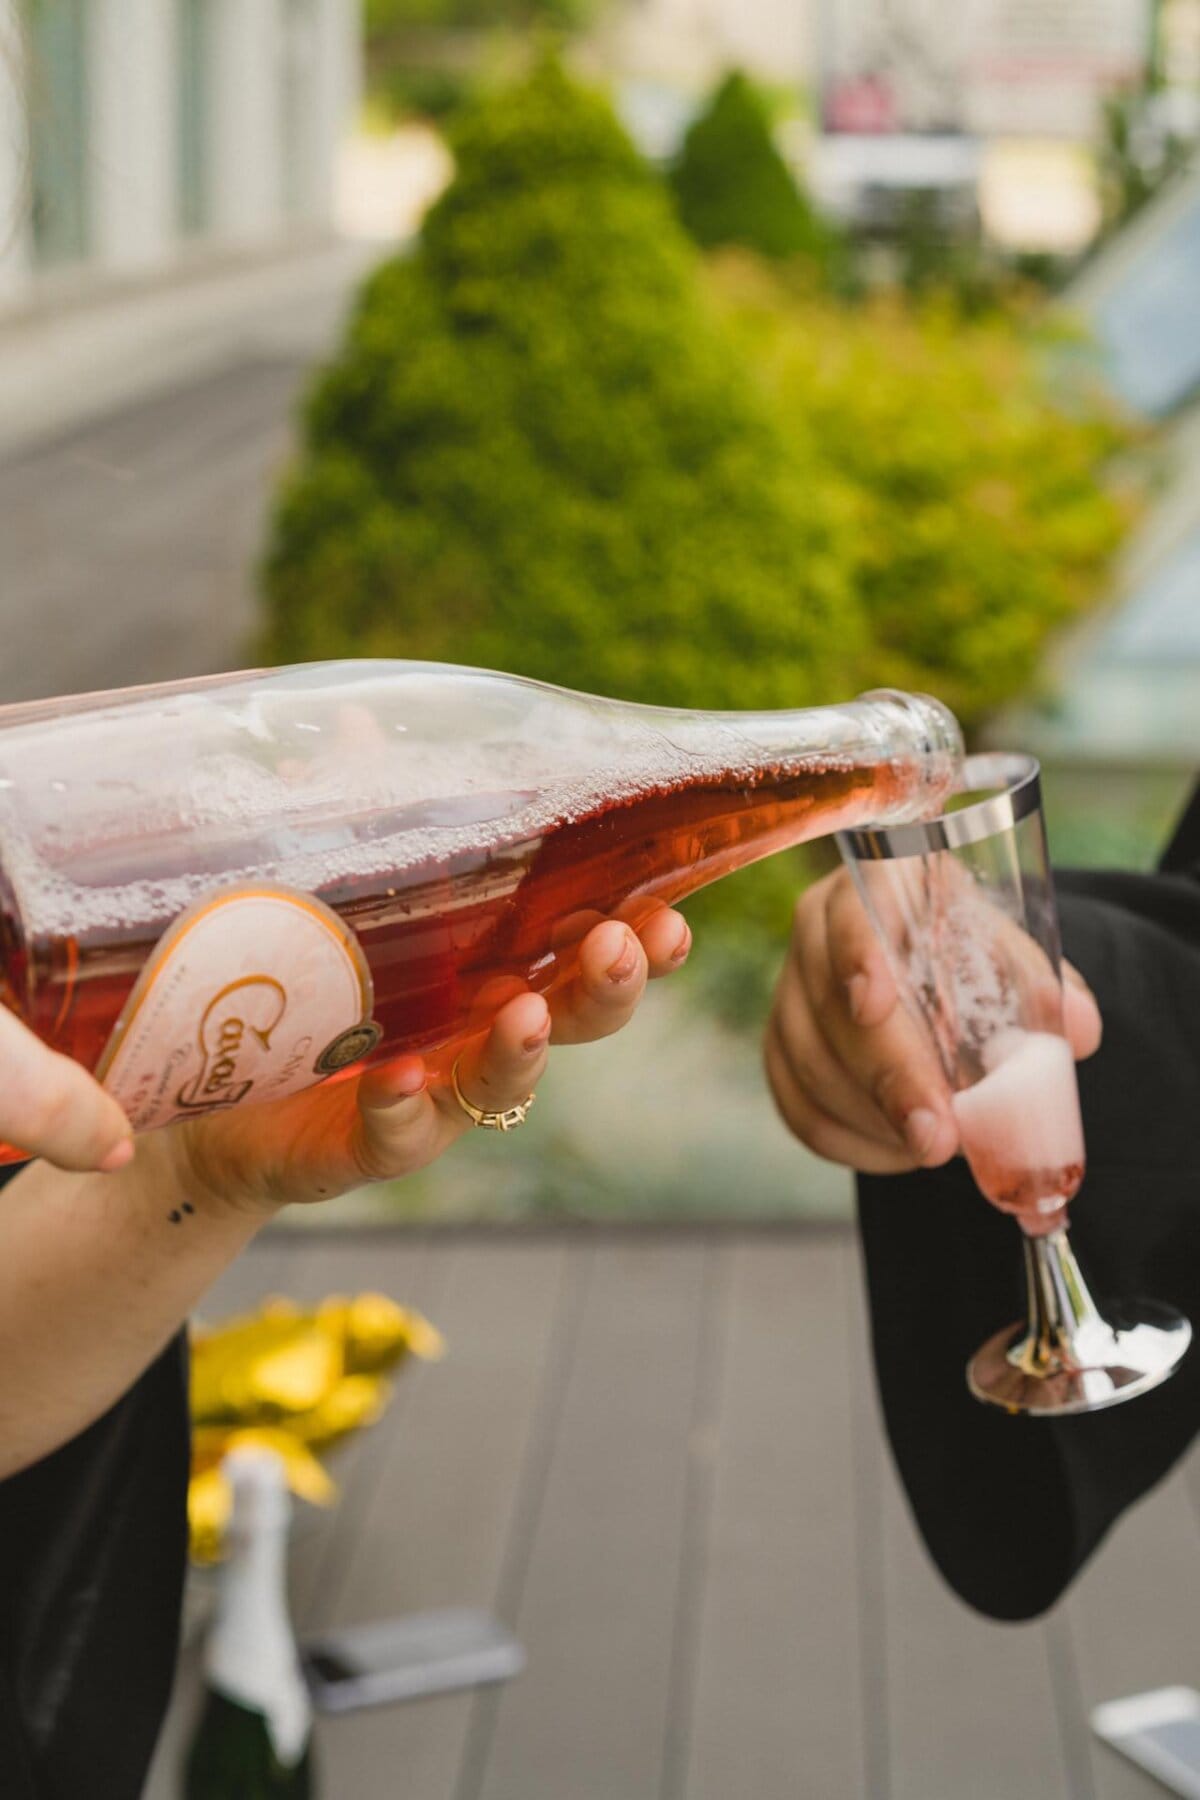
(541, 449)
(732, 186)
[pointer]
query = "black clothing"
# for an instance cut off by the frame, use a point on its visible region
(1011, 1508)
(92, 1556)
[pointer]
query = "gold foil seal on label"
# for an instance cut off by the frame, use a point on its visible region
(252, 994)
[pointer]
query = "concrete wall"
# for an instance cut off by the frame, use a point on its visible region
(132, 81)
(689, 44)
(283, 81)
(247, 169)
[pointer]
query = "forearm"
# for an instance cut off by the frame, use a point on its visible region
(96, 1274)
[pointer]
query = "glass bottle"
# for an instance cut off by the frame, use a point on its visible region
(253, 1738)
(226, 890)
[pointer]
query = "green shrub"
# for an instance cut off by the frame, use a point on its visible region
(732, 186)
(421, 90)
(540, 449)
(985, 511)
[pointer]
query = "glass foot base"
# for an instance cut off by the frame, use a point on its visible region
(1058, 1372)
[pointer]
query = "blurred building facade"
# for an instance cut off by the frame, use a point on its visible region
(137, 136)
(676, 46)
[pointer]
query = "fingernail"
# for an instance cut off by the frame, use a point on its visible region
(119, 1157)
(920, 1129)
(537, 1039)
(626, 963)
(857, 989)
(683, 946)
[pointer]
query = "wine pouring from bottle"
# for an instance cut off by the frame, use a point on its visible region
(224, 891)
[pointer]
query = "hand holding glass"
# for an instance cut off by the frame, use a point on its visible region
(964, 906)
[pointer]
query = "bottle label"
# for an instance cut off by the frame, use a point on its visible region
(253, 993)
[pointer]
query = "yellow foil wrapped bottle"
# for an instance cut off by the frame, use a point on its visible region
(296, 1382)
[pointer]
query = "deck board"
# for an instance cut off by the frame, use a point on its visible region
(1135, 1619)
(778, 1704)
(970, 1704)
(590, 1716)
(458, 1467)
(417, 1279)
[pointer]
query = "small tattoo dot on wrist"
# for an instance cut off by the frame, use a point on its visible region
(175, 1216)
(188, 1207)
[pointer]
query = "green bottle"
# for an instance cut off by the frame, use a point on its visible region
(253, 1738)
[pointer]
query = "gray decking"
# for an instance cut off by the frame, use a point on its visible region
(657, 1456)
(127, 547)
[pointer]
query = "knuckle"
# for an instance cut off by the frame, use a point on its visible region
(804, 1073)
(850, 932)
(846, 952)
(888, 1089)
(803, 910)
(819, 983)
(371, 1161)
(795, 1117)
(382, 1151)
(798, 1114)
(822, 1138)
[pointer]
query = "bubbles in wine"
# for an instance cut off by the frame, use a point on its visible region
(1020, 1124)
(333, 819)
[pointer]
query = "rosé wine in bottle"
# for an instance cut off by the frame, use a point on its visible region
(1021, 1128)
(227, 890)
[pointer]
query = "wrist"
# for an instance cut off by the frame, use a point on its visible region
(171, 1166)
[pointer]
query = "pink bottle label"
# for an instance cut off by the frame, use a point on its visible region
(253, 994)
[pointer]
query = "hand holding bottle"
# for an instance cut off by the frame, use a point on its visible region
(854, 1075)
(97, 1271)
(394, 1119)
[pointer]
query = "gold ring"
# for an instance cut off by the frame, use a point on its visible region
(490, 1121)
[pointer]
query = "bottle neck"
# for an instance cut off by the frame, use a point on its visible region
(907, 747)
(922, 741)
(251, 1653)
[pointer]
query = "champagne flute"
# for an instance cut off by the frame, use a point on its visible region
(964, 906)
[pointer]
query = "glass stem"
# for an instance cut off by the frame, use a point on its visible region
(1061, 1312)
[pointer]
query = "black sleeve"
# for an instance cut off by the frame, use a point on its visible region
(92, 1549)
(1010, 1508)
